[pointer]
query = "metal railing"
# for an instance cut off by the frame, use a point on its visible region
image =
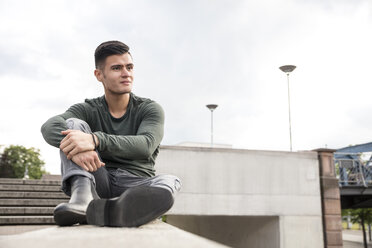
(352, 171)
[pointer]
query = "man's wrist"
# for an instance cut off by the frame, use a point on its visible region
(95, 141)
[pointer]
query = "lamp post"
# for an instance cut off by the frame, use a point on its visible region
(212, 107)
(26, 176)
(288, 69)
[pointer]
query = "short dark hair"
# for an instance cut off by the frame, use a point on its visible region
(109, 48)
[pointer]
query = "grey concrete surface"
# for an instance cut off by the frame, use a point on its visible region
(353, 239)
(351, 244)
(17, 229)
(243, 182)
(155, 234)
(235, 231)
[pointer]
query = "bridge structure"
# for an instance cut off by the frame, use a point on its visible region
(354, 172)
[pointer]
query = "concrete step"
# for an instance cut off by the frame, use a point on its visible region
(20, 195)
(29, 181)
(28, 188)
(21, 220)
(31, 202)
(26, 210)
(51, 177)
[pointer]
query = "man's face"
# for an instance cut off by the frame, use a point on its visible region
(117, 74)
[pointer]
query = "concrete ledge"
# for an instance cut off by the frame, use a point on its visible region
(245, 205)
(155, 234)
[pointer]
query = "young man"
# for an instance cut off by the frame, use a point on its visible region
(108, 146)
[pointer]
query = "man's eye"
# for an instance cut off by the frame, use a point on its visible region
(116, 68)
(130, 67)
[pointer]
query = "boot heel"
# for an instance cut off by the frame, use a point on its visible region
(65, 215)
(96, 212)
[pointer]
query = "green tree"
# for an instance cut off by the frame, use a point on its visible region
(16, 159)
(362, 216)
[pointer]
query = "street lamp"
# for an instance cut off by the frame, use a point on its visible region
(288, 69)
(212, 107)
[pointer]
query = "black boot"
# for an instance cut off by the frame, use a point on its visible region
(135, 207)
(73, 212)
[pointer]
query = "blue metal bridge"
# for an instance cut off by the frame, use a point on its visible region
(354, 171)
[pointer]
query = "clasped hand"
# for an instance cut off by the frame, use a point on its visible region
(88, 160)
(79, 147)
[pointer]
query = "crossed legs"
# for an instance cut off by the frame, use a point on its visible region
(126, 199)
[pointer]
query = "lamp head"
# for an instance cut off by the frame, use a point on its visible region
(212, 107)
(287, 68)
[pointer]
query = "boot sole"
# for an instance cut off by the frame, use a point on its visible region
(135, 207)
(69, 217)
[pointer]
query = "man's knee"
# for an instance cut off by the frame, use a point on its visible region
(171, 182)
(78, 124)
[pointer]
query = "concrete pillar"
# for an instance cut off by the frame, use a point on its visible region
(330, 196)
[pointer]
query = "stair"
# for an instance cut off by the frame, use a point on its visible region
(29, 202)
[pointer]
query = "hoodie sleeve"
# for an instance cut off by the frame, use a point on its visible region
(51, 129)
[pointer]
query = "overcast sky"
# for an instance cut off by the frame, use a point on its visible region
(191, 53)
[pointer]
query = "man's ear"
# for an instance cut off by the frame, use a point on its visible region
(99, 75)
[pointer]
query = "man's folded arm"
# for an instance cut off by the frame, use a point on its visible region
(52, 128)
(139, 146)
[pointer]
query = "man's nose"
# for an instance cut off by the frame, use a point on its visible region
(125, 72)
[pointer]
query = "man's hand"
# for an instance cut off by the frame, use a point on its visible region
(76, 142)
(88, 160)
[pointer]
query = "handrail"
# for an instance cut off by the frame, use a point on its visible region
(352, 172)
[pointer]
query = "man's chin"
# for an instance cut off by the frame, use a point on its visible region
(117, 93)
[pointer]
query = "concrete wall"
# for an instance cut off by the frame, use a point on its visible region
(235, 231)
(281, 186)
